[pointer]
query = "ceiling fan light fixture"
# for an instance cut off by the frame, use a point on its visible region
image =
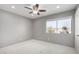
(35, 9)
(35, 12)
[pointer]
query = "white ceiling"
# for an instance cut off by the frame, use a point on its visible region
(51, 9)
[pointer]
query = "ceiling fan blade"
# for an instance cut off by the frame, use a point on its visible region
(37, 5)
(42, 10)
(28, 8)
(30, 12)
(38, 13)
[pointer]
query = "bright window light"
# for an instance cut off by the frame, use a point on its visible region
(59, 25)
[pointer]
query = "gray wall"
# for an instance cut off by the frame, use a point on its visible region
(39, 30)
(14, 28)
(77, 29)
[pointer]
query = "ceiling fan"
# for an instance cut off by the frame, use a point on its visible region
(35, 9)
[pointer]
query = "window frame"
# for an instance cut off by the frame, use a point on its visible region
(57, 19)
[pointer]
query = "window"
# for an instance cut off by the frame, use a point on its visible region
(59, 25)
(51, 26)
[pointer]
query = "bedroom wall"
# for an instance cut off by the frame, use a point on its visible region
(39, 30)
(77, 29)
(14, 28)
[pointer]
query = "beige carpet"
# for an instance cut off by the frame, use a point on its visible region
(37, 47)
